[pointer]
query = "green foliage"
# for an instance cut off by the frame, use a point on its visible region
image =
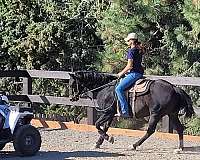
(166, 29)
(88, 34)
(50, 87)
(10, 85)
(52, 35)
(191, 13)
(193, 126)
(70, 112)
(169, 31)
(129, 123)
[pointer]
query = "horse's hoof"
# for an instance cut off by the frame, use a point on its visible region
(111, 140)
(134, 147)
(97, 146)
(177, 151)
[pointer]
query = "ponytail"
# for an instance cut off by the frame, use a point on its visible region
(140, 46)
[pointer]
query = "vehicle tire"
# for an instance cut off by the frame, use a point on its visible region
(2, 146)
(27, 140)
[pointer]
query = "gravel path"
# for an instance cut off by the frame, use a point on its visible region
(74, 145)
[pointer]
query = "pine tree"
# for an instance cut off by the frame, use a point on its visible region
(37, 34)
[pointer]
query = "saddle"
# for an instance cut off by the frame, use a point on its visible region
(141, 87)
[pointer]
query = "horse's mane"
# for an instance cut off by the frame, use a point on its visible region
(94, 78)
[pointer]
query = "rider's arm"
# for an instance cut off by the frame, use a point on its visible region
(128, 67)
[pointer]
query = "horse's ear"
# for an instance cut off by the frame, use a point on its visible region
(79, 74)
(72, 75)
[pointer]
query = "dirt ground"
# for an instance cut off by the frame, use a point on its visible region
(74, 145)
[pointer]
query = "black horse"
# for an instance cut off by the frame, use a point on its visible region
(162, 99)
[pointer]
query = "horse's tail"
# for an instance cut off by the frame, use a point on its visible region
(185, 102)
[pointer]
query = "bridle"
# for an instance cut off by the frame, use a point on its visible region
(75, 94)
(85, 94)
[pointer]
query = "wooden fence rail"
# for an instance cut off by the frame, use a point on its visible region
(27, 96)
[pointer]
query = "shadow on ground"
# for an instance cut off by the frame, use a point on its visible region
(55, 155)
(193, 150)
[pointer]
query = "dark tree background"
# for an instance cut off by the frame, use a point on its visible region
(75, 35)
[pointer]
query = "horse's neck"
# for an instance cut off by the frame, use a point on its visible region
(106, 98)
(93, 84)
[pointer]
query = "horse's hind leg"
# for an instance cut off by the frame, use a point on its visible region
(154, 118)
(179, 128)
(102, 124)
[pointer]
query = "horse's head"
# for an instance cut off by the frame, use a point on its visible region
(83, 81)
(74, 87)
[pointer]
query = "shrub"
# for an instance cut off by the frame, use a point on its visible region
(192, 126)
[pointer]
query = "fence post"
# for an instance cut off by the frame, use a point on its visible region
(167, 125)
(27, 87)
(91, 115)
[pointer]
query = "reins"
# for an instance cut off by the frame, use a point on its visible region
(103, 86)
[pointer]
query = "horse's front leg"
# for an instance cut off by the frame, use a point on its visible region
(105, 129)
(102, 124)
(154, 118)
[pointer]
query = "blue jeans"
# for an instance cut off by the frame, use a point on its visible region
(126, 82)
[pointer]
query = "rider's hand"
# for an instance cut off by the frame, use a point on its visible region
(120, 74)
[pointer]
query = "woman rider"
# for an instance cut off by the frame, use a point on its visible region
(133, 71)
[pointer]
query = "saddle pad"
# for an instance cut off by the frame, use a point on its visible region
(141, 86)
